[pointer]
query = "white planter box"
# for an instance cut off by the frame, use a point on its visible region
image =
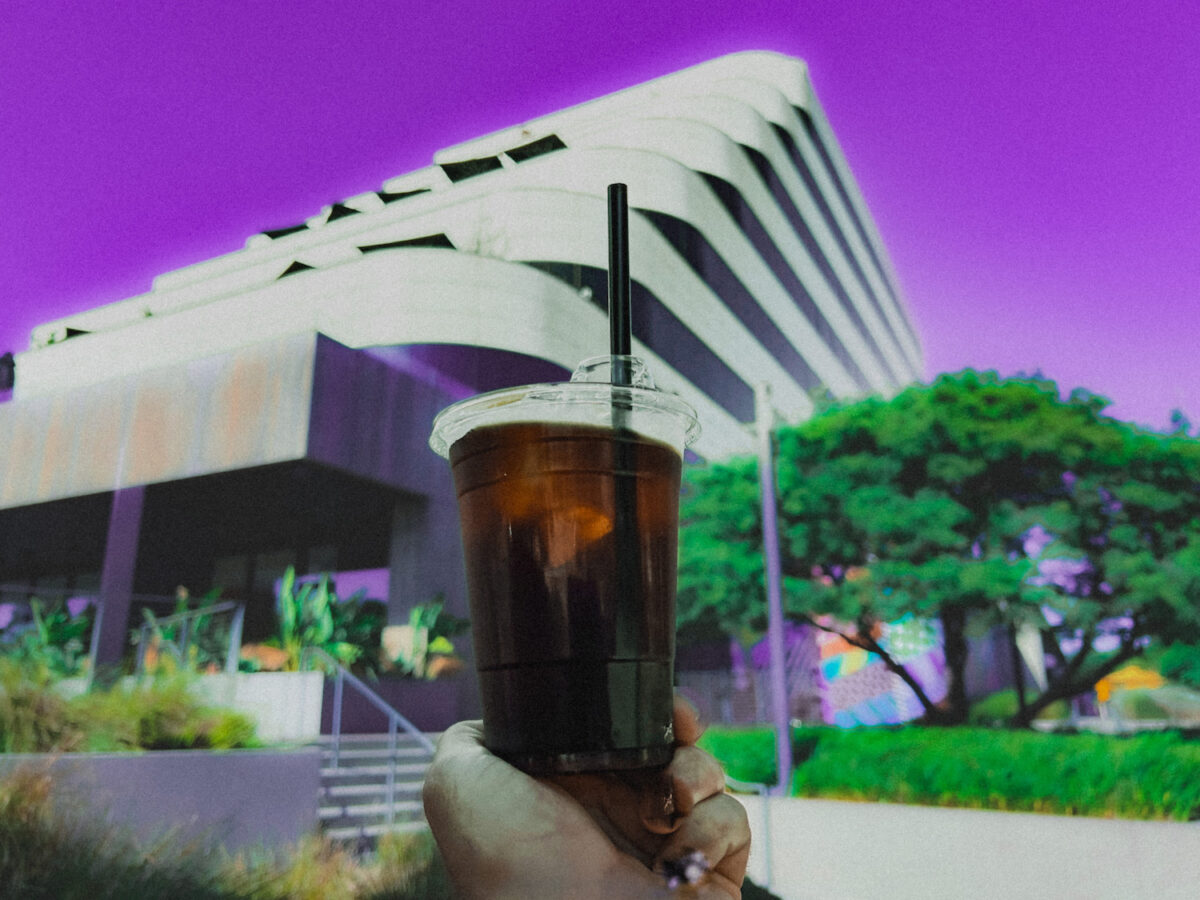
(285, 706)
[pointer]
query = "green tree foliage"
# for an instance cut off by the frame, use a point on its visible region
(935, 502)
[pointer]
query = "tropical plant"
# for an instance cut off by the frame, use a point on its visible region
(413, 649)
(306, 620)
(57, 638)
(207, 635)
(359, 622)
(311, 616)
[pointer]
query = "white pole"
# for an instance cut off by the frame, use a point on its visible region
(764, 416)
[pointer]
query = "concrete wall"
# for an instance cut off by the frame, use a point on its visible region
(832, 850)
(238, 798)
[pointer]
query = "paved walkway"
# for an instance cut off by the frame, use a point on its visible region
(829, 850)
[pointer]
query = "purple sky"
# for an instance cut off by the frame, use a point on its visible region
(1032, 168)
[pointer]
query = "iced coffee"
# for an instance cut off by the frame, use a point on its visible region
(568, 497)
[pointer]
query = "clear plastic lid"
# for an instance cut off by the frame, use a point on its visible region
(589, 398)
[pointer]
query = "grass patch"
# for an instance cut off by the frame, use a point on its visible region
(1146, 776)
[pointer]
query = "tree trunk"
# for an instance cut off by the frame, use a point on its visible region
(1074, 682)
(1018, 667)
(954, 642)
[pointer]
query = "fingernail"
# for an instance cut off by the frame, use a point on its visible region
(658, 812)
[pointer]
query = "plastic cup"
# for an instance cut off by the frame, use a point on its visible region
(568, 498)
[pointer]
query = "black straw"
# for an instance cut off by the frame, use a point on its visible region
(628, 605)
(620, 342)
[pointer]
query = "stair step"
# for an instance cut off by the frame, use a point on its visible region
(402, 738)
(355, 832)
(413, 769)
(373, 752)
(371, 789)
(351, 810)
(352, 804)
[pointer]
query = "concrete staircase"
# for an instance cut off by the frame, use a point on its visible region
(354, 789)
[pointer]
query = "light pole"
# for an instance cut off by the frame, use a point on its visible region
(764, 416)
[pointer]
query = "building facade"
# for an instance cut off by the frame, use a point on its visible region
(270, 407)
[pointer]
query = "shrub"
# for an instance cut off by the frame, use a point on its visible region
(1147, 776)
(158, 714)
(748, 753)
(411, 868)
(1000, 708)
(404, 867)
(33, 718)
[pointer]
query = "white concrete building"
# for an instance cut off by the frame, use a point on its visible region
(270, 406)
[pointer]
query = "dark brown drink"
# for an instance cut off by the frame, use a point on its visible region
(570, 537)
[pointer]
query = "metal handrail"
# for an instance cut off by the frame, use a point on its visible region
(396, 721)
(180, 644)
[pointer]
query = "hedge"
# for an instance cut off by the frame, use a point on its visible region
(1145, 776)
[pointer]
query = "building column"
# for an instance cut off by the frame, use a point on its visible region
(426, 559)
(116, 576)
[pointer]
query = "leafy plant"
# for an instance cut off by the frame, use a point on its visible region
(207, 636)
(414, 648)
(359, 622)
(57, 639)
(32, 716)
(310, 617)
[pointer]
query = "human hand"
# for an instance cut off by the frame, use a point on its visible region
(606, 835)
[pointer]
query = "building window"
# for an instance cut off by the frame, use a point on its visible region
(469, 168)
(540, 147)
(284, 232)
(393, 196)
(428, 240)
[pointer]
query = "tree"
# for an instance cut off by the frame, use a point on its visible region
(956, 501)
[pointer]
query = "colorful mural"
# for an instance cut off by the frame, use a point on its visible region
(858, 689)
